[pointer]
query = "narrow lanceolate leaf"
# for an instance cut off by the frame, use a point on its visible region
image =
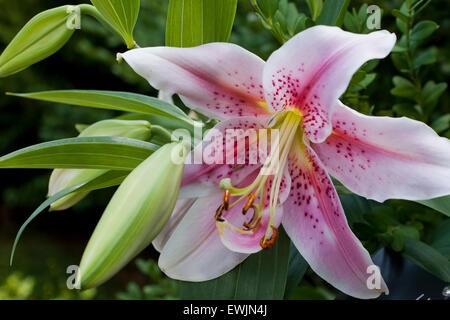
(315, 7)
(63, 178)
(428, 258)
(440, 238)
(42, 36)
(121, 15)
(113, 100)
(333, 12)
(441, 204)
(82, 153)
(297, 269)
(194, 22)
(260, 276)
(109, 179)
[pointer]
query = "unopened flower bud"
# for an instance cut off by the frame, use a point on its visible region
(135, 215)
(41, 37)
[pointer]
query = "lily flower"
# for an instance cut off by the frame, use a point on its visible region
(228, 210)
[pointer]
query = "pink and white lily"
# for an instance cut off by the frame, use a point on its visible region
(298, 88)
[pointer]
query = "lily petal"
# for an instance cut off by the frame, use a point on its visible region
(224, 153)
(315, 221)
(313, 69)
(220, 80)
(383, 157)
(194, 252)
(181, 208)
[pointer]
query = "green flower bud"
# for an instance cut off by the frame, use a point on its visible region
(135, 215)
(61, 179)
(42, 36)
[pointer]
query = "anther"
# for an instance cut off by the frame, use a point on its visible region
(219, 211)
(269, 243)
(226, 199)
(251, 224)
(248, 203)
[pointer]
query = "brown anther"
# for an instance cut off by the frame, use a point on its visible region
(226, 199)
(219, 211)
(251, 224)
(269, 243)
(248, 203)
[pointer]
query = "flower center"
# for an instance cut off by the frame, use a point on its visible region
(264, 191)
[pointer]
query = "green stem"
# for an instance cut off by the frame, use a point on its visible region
(412, 71)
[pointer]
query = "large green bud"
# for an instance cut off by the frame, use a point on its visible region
(42, 36)
(61, 179)
(135, 215)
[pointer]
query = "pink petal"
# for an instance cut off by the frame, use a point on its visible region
(313, 69)
(382, 157)
(181, 208)
(208, 164)
(220, 80)
(249, 242)
(315, 221)
(194, 251)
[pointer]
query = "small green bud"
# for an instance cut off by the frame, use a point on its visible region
(135, 215)
(61, 179)
(41, 37)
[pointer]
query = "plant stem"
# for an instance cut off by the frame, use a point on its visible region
(276, 33)
(412, 71)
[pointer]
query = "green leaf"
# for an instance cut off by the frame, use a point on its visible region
(194, 22)
(355, 207)
(407, 110)
(351, 22)
(315, 7)
(440, 238)
(268, 7)
(400, 15)
(423, 30)
(82, 153)
(426, 57)
(403, 88)
(113, 100)
(333, 12)
(431, 93)
(427, 258)
(261, 276)
(106, 180)
(297, 269)
(121, 15)
(441, 204)
(41, 37)
(442, 123)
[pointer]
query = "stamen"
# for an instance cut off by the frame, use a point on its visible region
(254, 220)
(219, 211)
(267, 244)
(248, 203)
(226, 199)
(270, 177)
